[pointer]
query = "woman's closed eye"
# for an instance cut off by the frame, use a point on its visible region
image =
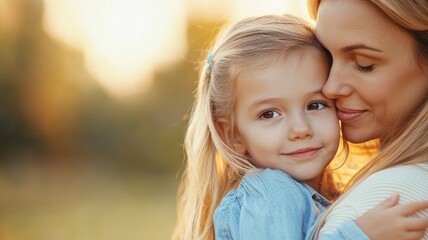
(361, 68)
(363, 64)
(269, 114)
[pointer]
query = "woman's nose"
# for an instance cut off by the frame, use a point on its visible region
(336, 85)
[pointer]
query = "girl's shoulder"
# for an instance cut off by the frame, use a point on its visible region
(268, 179)
(266, 197)
(265, 186)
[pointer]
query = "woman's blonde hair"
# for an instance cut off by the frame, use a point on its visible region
(213, 168)
(409, 144)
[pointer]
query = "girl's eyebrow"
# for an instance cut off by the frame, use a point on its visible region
(359, 46)
(278, 99)
(265, 101)
(313, 92)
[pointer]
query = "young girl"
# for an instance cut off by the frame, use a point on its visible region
(259, 106)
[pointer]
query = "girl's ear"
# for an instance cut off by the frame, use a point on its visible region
(230, 137)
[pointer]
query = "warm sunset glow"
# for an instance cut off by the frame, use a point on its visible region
(255, 7)
(123, 41)
(243, 8)
(8, 16)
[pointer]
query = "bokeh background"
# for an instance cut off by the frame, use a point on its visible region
(93, 102)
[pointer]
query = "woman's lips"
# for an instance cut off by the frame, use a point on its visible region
(346, 115)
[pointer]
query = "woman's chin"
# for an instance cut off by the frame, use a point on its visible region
(357, 135)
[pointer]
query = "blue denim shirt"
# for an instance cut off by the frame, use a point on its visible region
(271, 205)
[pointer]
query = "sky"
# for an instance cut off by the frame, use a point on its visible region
(124, 41)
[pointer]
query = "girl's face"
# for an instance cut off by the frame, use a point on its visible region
(375, 78)
(283, 120)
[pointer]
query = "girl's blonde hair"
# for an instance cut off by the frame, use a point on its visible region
(213, 168)
(407, 144)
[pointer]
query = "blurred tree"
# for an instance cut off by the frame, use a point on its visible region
(53, 113)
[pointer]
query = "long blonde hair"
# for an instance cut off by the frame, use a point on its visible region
(212, 167)
(409, 144)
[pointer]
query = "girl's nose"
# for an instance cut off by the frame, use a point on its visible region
(300, 128)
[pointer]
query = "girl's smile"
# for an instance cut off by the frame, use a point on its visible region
(303, 153)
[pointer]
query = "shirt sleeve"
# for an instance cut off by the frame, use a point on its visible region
(269, 205)
(349, 230)
(408, 181)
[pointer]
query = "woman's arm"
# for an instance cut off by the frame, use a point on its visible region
(386, 221)
(398, 221)
(408, 181)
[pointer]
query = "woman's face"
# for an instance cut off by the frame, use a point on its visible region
(375, 78)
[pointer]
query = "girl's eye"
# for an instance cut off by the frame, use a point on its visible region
(367, 68)
(316, 106)
(269, 114)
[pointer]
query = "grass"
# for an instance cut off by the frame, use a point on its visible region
(41, 205)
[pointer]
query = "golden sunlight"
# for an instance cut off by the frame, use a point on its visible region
(122, 41)
(255, 7)
(8, 15)
(243, 8)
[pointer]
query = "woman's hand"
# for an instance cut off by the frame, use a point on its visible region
(388, 220)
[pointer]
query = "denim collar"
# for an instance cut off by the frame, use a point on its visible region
(318, 197)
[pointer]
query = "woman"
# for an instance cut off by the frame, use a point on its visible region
(379, 79)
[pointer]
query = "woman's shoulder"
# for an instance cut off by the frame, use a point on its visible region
(409, 181)
(420, 167)
(400, 173)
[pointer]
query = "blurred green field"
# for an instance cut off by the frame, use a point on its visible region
(86, 205)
